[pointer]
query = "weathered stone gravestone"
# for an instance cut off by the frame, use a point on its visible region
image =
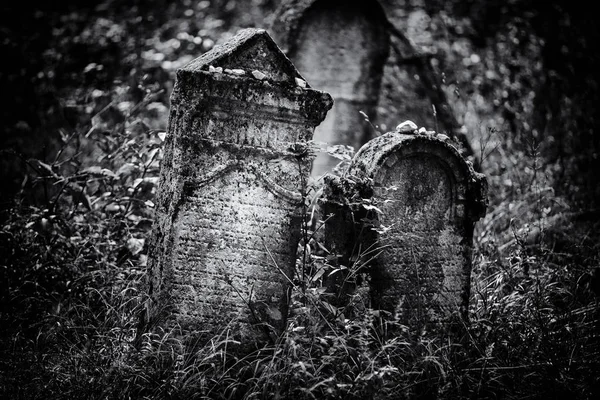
(228, 219)
(429, 198)
(340, 46)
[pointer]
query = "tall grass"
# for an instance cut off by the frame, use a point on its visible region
(73, 293)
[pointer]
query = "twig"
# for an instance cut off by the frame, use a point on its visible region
(275, 263)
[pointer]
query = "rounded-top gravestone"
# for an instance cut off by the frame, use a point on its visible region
(340, 46)
(428, 199)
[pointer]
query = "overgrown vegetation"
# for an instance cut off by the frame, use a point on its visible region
(72, 240)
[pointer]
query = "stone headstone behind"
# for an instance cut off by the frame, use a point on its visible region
(340, 47)
(228, 218)
(429, 198)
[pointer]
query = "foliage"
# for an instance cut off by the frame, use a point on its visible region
(72, 242)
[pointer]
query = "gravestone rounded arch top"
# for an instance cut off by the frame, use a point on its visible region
(341, 48)
(429, 197)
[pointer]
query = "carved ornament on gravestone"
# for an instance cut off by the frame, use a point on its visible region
(340, 46)
(228, 218)
(429, 198)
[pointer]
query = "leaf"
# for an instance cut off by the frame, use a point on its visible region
(369, 207)
(137, 128)
(274, 313)
(318, 274)
(108, 172)
(126, 170)
(135, 246)
(147, 183)
(332, 309)
(45, 167)
(96, 170)
(341, 152)
(151, 157)
(336, 270)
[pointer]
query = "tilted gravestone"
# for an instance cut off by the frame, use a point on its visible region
(228, 219)
(340, 46)
(427, 199)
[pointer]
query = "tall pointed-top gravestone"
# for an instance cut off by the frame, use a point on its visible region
(228, 217)
(340, 46)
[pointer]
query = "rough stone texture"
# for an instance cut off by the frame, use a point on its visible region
(429, 198)
(228, 218)
(340, 46)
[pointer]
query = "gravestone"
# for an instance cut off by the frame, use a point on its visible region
(428, 199)
(228, 209)
(340, 46)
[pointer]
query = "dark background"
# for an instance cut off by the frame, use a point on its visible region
(47, 47)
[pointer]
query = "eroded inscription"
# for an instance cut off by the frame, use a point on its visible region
(422, 250)
(230, 234)
(428, 198)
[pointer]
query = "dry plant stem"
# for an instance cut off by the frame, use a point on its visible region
(146, 168)
(275, 263)
(304, 194)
